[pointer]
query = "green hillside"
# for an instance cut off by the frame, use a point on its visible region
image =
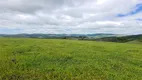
(54, 59)
(123, 39)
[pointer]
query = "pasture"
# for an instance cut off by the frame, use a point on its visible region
(56, 59)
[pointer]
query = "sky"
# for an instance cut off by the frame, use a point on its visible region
(71, 16)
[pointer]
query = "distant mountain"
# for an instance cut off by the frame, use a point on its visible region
(62, 36)
(93, 37)
(130, 38)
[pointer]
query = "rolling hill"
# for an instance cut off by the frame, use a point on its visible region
(131, 38)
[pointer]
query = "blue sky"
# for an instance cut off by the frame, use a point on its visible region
(71, 16)
(137, 9)
(9, 31)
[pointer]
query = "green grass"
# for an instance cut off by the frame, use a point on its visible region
(49, 59)
(135, 42)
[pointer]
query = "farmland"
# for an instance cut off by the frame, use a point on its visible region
(58, 59)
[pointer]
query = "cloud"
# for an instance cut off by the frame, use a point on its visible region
(71, 16)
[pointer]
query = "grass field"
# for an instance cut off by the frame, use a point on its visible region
(49, 59)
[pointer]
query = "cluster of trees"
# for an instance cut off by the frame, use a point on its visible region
(79, 37)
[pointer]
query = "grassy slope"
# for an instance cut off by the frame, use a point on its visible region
(69, 59)
(123, 39)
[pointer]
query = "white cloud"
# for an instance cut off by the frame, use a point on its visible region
(70, 16)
